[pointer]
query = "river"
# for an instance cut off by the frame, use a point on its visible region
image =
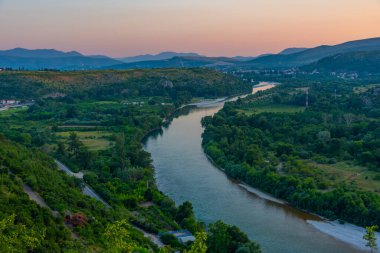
(184, 173)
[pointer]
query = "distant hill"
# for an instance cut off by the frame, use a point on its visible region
(314, 54)
(51, 59)
(287, 58)
(358, 62)
(156, 57)
(119, 84)
(177, 62)
(292, 50)
(244, 58)
(248, 58)
(38, 53)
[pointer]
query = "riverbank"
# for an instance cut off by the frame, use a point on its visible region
(349, 234)
(346, 232)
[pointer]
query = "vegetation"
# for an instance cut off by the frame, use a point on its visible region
(199, 245)
(180, 85)
(353, 62)
(314, 158)
(17, 237)
(370, 237)
(224, 238)
(94, 123)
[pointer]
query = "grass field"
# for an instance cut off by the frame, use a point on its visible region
(274, 108)
(11, 111)
(94, 140)
(364, 88)
(351, 174)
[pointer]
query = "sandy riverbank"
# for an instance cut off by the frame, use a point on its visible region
(347, 233)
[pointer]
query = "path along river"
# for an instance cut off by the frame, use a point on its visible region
(184, 173)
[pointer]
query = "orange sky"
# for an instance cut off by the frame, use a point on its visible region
(210, 27)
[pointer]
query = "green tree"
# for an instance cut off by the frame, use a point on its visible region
(17, 237)
(71, 112)
(74, 145)
(184, 211)
(250, 247)
(223, 238)
(199, 245)
(118, 238)
(370, 237)
(121, 153)
(61, 149)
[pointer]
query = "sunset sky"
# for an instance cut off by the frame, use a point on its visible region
(210, 27)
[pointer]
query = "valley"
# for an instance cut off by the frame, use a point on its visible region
(164, 154)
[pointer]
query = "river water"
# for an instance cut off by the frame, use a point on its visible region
(184, 173)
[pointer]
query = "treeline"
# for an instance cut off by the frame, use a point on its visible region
(270, 150)
(178, 84)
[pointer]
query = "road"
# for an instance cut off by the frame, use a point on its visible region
(87, 190)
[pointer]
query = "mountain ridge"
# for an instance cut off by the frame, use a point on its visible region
(34, 59)
(362, 62)
(314, 54)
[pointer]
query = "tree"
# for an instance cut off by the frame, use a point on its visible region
(71, 112)
(118, 237)
(184, 211)
(199, 245)
(61, 149)
(348, 119)
(218, 240)
(74, 145)
(250, 247)
(120, 152)
(223, 238)
(370, 237)
(17, 237)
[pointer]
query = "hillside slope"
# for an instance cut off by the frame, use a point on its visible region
(358, 62)
(177, 62)
(121, 84)
(156, 57)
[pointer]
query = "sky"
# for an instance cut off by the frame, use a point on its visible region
(210, 27)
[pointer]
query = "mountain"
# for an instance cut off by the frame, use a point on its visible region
(248, 58)
(38, 53)
(313, 54)
(156, 57)
(178, 62)
(292, 50)
(367, 62)
(52, 59)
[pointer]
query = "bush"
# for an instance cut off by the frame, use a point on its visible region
(170, 239)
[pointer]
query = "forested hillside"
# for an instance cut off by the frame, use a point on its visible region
(94, 122)
(179, 84)
(354, 62)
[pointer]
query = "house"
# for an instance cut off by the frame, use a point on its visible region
(183, 236)
(5, 102)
